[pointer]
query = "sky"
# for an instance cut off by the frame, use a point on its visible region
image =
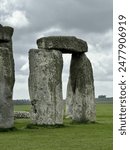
(90, 20)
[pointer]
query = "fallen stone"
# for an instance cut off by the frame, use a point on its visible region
(21, 115)
(66, 44)
(6, 88)
(45, 86)
(80, 90)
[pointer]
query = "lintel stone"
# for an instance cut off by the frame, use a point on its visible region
(66, 44)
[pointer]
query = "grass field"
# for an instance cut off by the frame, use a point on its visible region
(96, 136)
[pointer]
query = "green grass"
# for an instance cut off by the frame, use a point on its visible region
(22, 107)
(96, 136)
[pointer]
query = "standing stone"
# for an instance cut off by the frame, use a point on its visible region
(6, 88)
(7, 77)
(6, 37)
(45, 86)
(80, 90)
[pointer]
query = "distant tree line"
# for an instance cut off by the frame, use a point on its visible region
(104, 99)
(101, 98)
(22, 102)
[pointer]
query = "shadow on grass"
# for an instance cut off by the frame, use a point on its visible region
(32, 126)
(82, 122)
(8, 129)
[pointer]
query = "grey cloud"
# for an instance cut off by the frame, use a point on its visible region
(90, 20)
(103, 88)
(85, 15)
(102, 65)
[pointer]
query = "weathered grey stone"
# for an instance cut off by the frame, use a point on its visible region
(66, 44)
(80, 90)
(21, 115)
(45, 86)
(7, 77)
(6, 33)
(6, 88)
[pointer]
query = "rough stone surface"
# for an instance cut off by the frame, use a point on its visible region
(6, 33)
(21, 115)
(6, 88)
(45, 86)
(6, 40)
(80, 90)
(7, 77)
(66, 44)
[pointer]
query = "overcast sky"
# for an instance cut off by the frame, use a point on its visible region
(90, 20)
